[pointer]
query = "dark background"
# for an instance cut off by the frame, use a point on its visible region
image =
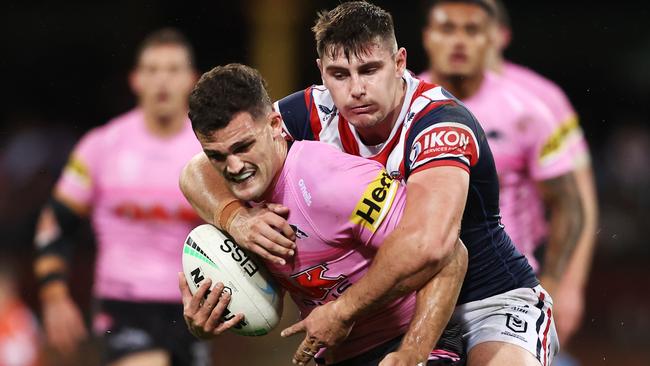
(64, 69)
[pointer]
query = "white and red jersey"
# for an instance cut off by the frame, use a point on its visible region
(433, 129)
(533, 138)
(341, 209)
(129, 178)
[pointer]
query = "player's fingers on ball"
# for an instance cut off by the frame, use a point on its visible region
(264, 254)
(217, 313)
(184, 287)
(224, 326)
(211, 300)
(197, 298)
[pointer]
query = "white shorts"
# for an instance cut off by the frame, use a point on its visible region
(522, 317)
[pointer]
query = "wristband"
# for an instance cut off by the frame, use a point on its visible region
(227, 213)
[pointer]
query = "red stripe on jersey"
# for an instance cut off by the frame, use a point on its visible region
(314, 118)
(548, 326)
(350, 145)
(437, 163)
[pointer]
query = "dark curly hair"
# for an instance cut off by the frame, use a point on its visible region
(223, 92)
(353, 26)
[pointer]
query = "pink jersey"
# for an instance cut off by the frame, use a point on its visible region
(532, 139)
(130, 180)
(342, 208)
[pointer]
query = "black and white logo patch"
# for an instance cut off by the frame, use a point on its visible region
(516, 324)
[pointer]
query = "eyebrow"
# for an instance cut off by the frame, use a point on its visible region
(367, 65)
(248, 140)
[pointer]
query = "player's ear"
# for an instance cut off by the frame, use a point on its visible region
(400, 61)
(135, 82)
(276, 123)
(319, 64)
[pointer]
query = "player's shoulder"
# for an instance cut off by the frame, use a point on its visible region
(435, 105)
(116, 126)
(530, 77)
(330, 171)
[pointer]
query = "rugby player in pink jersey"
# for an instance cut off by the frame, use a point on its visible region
(372, 107)
(233, 119)
(542, 158)
(124, 177)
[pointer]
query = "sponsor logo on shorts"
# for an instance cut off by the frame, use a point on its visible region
(375, 202)
(444, 140)
(516, 324)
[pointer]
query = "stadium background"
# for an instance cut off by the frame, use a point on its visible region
(65, 66)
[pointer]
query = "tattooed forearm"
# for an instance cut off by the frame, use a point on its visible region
(566, 222)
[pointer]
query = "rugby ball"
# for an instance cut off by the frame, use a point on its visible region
(209, 253)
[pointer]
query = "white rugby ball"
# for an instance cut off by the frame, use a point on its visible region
(208, 253)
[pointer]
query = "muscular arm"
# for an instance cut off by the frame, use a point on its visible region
(572, 199)
(419, 247)
(568, 221)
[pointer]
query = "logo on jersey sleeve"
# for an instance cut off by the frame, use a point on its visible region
(444, 140)
(79, 170)
(376, 201)
(560, 138)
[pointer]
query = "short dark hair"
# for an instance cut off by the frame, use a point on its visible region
(164, 37)
(354, 26)
(487, 5)
(502, 15)
(223, 92)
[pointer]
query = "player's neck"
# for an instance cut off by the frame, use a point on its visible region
(462, 87)
(165, 126)
(379, 133)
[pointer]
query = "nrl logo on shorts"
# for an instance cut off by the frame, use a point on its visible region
(516, 324)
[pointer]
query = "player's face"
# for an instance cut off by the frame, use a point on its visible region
(365, 89)
(163, 80)
(457, 39)
(247, 153)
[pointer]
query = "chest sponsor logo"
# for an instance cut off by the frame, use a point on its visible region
(444, 140)
(376, 201)
(138, 212)
(314, 283)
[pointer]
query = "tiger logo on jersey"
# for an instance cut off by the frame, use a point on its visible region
(375, 202)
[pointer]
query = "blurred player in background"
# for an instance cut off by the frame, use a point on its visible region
(124, 177)
(541, 155)
(20, 344)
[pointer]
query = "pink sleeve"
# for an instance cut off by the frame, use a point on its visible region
(557, 146)
(76, 181)
(352, 199)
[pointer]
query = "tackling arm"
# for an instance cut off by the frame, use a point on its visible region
(419, 247)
